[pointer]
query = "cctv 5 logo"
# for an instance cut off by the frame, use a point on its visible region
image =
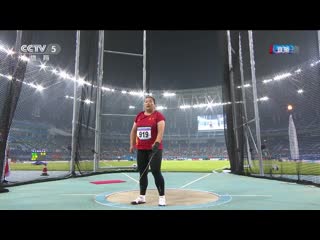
(41, 49)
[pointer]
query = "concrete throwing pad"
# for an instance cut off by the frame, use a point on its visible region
(182, 198)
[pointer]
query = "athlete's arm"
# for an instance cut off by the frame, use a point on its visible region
(133, 136)
(160, 126)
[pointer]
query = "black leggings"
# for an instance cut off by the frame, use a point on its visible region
(143, 158)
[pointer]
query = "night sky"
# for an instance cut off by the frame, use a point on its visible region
(179, 59)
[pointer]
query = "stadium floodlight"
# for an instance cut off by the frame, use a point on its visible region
(263, 99)
(161, 107)
(106, 89)
(267, 80)
(212, 104)
(9, 77)
(87, 101)
(31, 85)
(124, 92)
(245, 86)
(82, 82)
(315, 63)
(63, 74)
(298, 70)
(169, 94)
(135, 93)
(54, 71)
(300, 91)
(132, 107)
(2, 48)
(201, 105)
(43, 66)
(24, 58)
(282, 76)
(184, 106)
(39, 88)
(10, 52)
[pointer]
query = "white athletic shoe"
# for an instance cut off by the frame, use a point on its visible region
(139, 200)
(162, 201)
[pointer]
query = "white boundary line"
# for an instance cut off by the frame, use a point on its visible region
(248, 195)
(130, 177)
(215, 171)
(196, 180)
(79, 194)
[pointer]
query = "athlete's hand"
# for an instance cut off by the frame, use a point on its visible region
(131, 149)
(155, 147)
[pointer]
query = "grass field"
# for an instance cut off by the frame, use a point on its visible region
(289, 168)
(270, 167)
(170, 165)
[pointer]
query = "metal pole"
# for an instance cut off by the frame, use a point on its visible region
(145, 87)
(254, 143)
(124, 53)
(319, 42)
(233, 100)
(98, 103)
(18, 41)
(75, 107)
(244, 101)
(3, 163)
(255, 102)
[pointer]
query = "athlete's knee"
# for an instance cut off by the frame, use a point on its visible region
(156, 172)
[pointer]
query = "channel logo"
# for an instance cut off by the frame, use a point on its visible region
(283, 49)
(41, 49)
